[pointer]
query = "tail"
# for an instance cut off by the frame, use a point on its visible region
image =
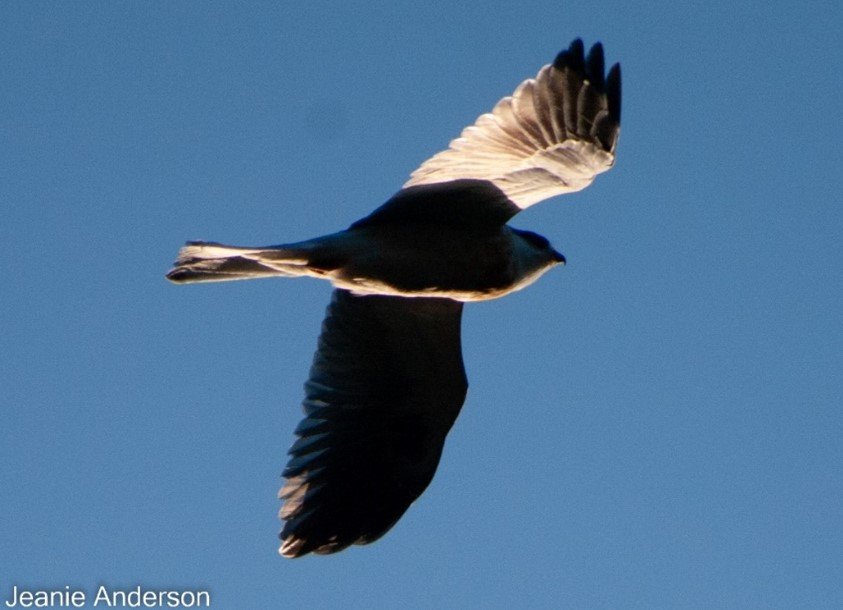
(201, 261)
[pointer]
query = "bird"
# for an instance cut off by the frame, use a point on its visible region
(387, 381)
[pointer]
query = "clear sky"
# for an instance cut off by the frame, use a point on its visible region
(657, 424)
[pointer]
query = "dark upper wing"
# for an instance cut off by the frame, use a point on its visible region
(552, 136)
(460, 203)
(386, 385)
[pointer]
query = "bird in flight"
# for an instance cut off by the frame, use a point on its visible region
(387, 381)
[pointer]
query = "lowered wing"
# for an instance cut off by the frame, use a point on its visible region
(386, 385)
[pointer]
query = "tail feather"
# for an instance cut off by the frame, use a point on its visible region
(200, 261)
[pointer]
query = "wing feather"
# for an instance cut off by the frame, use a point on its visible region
(386, 385)
(553, 135)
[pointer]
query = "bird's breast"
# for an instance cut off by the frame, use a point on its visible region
(430, 261)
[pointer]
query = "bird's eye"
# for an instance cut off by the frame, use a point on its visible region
(535, 239)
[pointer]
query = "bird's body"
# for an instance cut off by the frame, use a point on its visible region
(471, 260)
(387, 381)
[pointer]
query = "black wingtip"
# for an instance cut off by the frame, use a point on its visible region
(572, 58)
(595, 68)
(613, 93)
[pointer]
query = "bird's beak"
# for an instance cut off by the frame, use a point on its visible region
(559, 258)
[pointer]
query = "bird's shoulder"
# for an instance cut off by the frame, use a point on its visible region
(463, 203)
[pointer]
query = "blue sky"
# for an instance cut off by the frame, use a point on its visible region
(657, 424)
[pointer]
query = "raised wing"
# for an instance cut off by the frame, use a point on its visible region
(552, 136)
(386, 385)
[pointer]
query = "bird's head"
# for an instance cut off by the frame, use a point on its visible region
(535, 250)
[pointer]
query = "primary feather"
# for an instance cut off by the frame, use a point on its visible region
(552, 136)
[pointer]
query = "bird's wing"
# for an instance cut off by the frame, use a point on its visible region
(386, 385)
(552, 136)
